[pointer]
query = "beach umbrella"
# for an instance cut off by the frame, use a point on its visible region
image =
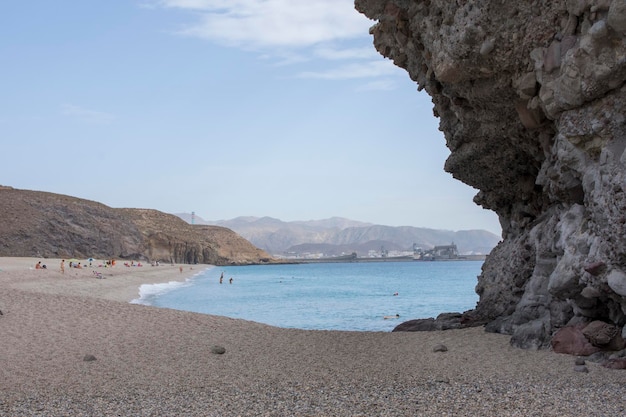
(74, 260)
(89, 259)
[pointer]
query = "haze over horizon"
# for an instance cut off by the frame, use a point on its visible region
(270, 108)
(201, 220)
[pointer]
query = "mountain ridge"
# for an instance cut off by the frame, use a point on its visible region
(49, 225)
(338, 235)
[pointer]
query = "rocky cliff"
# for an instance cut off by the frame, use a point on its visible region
(531, 99)
(41, 224)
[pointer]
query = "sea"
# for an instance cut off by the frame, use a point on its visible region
(353, 296)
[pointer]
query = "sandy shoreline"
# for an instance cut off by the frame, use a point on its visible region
(158, 362)
(120, 283)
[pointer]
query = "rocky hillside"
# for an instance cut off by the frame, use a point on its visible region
(41, 224)
(337, 235)
(531, 99)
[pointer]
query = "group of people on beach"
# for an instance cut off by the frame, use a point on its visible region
(39, 265)
(73, 264)
(77, 265)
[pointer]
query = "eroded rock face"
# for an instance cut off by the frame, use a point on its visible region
(531, 99)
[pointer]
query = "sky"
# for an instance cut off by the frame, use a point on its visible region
(225, 108)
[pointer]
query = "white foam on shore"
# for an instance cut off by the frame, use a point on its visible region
(149, 292)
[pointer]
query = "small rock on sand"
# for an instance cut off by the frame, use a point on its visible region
(218, 350)
(440, 348)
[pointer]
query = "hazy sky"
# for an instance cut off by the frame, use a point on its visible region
(278, 108)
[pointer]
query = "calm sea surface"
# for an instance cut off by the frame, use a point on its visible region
(328, 296)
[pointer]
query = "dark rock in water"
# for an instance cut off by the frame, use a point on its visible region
(449, 321)
(89, 358)
(571, 340)
(417, 325)
(440, 348)
(444, 321)
(218, 350)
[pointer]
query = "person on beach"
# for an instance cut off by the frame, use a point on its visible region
(221, 277)
(230, 281)
(63, 266)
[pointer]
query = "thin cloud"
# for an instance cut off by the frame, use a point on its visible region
(351, 71)
(86, 115)
(378, 85)
(333, 54)
(273, 23)
(290, 32)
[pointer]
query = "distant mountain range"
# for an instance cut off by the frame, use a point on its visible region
(336, 236)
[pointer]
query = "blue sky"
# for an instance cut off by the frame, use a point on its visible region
(228, 108)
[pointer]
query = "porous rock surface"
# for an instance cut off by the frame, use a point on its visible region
(531, 99)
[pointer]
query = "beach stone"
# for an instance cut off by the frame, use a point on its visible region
(600, 333)
(581, 368)
(580, 361)
(440, 348)
(89, 358)
(218, 350)
(571, 340)
(615, 363)
(599, 357)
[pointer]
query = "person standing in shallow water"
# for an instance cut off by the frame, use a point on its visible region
(221, 278)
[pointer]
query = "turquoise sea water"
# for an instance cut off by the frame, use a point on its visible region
(327, 296)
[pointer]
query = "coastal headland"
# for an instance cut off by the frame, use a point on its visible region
(72, 344)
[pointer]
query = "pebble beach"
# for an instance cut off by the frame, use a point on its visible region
(74, 345)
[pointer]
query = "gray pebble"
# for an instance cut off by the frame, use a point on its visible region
(218, 350)
(440, 348)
